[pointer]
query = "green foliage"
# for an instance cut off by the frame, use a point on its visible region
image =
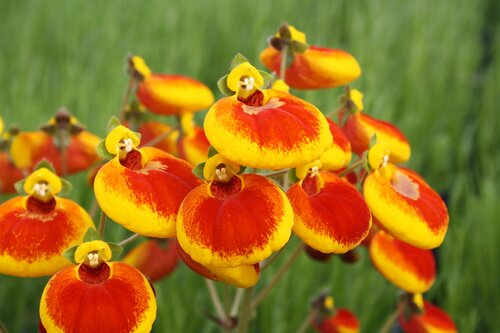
(422, 70)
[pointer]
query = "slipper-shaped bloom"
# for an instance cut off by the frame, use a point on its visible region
(403, 203)
(9, 174)
(194, 145)
(151, 130)
(36, 229)
(408, 267)
(268, 129)
(343, 321)
(29, 148)
(155, 258)
(339, 154)
(360, 128)
(169, 94)
(97, 295)
(142, 189)
(244, 276)
(233, 220)
(330, 214)
(432, 319)
(312, 67)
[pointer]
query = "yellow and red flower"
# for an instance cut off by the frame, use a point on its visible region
(142, 189)
(29, 148)
(9, 174)
(150, 130)
(36, 229)
(404, 204)
(330, 214)
(169, 94)
(243, 276)
(339, 154)
(431, 320)
(155, 258)
(343, 321)
(267, 129)
(233, 220)
(408, 267)
(312, 67)
(360, 128)
(97, 295)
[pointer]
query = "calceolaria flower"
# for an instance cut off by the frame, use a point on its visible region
(330, 214)
(310, 67)
(268, 129)
(155, 258)
(403, 203)
(329, 319)
(233, 219)
(9, 173)
(419, 316)
(141, 189)
(62, 142)
(360, 128)
(169, 94)
(97, 295)
(407, 267)
(339, 155)
(36, 229)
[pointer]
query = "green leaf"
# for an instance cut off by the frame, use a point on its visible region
(112, 123)
(198, 170)
(45, 164)
(268, 78)
(69, 254)
(292, 175)
(373, 140)
(67, 187)
(238, 60)
(222, 85)
(19, 186)
(212, 151)
(102, 151)
(242, 169)
(91, 235)
(116, 251)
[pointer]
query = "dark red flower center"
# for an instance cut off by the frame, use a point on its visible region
(310, 185)
(227, 189)
(38, 206)
(255, 99)
(133, 160)
(94, 275)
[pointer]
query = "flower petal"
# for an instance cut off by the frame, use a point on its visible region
(9, 174)
(408, 267)
(285, 132)
(334, 219)
(145, 201)
(339, 154)
(240, 230)
(407, 207)
(432, 320)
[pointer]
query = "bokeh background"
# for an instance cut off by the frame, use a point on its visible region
(431, 67)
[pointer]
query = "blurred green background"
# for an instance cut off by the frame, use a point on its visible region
(431, 67)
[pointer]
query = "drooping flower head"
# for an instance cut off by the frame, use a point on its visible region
(404, 204)
(310, 67)
(330, 214)
(339, 154)
(408, 267)
(419, 316)
(155, 258)
(169, 94)
(62, 142)
(233, 219)
(97, 295)
(359, 128)
(269, 128)
(329, 319)
(36, 228)
(141, 189)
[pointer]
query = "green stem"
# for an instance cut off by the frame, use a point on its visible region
(161, 137)
(236, 302)
(389, 322)
(216, 301)
(129, 239)
(307, 321)
(276, 173)
(278, 276)
(352, 167)
(246, 311)
(284, 56)
(126, 96)
(102, 225)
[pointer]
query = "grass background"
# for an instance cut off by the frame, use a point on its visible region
(431, 67)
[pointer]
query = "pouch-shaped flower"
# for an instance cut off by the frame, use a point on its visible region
(339, 154)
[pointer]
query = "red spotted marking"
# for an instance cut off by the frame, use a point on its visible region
(28, 236)
(132, 160)
(405, 256)
(255, 99)
(116, 305)
(94, 275)
(33, 205)
(226, 190)
(236, 226)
